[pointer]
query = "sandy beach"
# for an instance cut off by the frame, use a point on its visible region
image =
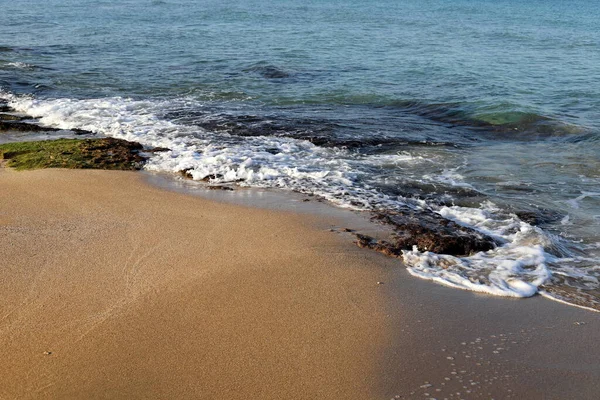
(113, 288)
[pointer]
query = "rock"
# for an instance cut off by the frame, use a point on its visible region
(382, 246)
(11, 117)
(269, 71)
(220, 187)
(539, 217)
(81, 132)
(186, 173)
(24, 127)
(211, 177)
(429, 232)
(111, 153)
(105, 153)
(156, 150)
(12, 121)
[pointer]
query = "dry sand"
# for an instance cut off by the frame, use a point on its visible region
(112, 288)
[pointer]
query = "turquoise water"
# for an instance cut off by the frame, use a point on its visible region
(490, 57)
(479, 110)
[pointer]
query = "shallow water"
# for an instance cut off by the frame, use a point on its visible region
(486, 112)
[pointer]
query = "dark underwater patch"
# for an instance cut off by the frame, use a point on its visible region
(268, 71)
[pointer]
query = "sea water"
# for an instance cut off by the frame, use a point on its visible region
(485, 112)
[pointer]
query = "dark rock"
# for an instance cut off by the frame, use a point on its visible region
(364, 241)
(24, 127)
(12, 117)
(382, 246)
(211, 177)
(539, 217)
(186, 173)
(269, 71)
(111, 153)
(220, 187)
(10, 121)
(81, 132)
(157, 150)
(429, 232)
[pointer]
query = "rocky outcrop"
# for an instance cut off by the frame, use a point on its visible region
(18, 126)
(427, 231)
(106, 153)
(110, 153)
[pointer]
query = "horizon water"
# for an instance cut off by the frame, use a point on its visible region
(481, 111)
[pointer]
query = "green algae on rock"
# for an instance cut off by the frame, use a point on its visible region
(105, 153)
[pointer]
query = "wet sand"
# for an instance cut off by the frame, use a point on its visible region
(112, 288)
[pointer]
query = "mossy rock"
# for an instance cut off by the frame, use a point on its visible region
(105, 153)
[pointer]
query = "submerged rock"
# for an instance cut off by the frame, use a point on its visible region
(427, 231)
(269, 71)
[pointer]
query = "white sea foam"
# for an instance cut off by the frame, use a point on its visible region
(517, 268)
(255, 161)
(399, 159)
(20, 65)
(449, 177)
(513, 271)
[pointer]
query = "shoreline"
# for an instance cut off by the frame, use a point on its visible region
(352, 222)
(398, 232)
(115, 288)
